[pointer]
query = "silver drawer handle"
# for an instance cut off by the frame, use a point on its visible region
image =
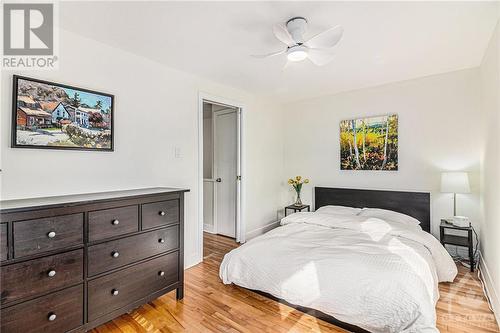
(115, 254)
(51, 273)
(161, 273)
(52, 316)
(51, 234)
(162, 213)
(115, 222)
(114, 292)
(161, 240)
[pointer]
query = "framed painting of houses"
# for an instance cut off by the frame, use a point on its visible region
(369, 143)
(50, 115)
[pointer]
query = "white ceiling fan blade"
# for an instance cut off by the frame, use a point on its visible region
(320, 57)
(326, 39)
(268, 54)
(283, 35)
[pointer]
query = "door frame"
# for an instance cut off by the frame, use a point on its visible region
(241, 165)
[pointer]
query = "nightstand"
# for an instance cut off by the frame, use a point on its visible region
(297, 208)
(464, 241)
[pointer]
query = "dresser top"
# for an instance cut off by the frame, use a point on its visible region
(9, 206)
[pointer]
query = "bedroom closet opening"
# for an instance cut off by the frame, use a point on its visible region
(221, 172)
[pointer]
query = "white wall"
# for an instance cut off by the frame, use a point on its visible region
(439, 129)
(156, 110)
(490, 235)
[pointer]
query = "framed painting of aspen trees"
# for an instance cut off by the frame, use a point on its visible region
(369, 143)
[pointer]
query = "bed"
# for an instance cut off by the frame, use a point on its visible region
(364, 261)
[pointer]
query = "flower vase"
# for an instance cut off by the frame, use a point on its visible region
(298, 202)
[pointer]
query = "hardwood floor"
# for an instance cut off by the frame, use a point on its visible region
(209, 306)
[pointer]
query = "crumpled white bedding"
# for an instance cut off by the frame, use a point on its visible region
(379, 275)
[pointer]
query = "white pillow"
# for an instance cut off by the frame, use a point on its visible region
(390, 215)
(341, 210)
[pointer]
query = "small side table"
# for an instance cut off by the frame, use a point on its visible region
(464, 241)
(297, 208)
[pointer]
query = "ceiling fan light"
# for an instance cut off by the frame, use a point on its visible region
(297, 53)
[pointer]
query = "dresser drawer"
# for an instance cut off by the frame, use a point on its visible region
(56, 313)
(46, 234)
(4, 244)
(113, 222)
(160, 213)
(117, 253)
(34, 277)
(114, 291)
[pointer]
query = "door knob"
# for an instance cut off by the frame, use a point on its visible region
(218, 180)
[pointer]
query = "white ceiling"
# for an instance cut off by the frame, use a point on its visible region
(383, 41)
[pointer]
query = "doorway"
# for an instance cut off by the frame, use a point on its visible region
(221, 170)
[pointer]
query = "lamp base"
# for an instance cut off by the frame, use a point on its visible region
(461, 221)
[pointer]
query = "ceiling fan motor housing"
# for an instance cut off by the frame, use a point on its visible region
(297, 27)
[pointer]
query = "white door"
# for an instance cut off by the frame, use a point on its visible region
(225, 170)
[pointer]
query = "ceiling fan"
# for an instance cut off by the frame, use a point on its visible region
(317, 49)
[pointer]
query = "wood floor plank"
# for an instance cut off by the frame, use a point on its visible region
(212, 307)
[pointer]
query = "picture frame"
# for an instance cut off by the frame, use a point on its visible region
(51, 115)
(370, 143)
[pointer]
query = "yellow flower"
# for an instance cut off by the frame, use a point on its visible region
(298, 181)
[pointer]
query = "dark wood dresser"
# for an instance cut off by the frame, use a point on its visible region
(71, 263)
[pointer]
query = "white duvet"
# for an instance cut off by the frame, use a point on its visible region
(379, 275)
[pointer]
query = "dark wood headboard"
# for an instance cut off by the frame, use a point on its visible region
(414, 204)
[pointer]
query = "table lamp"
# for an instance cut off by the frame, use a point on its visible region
(456, 182)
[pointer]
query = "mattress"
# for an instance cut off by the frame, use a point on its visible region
(377, 274)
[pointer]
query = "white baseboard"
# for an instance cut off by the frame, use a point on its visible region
(208, 228)
(262, 230)
(190, 261)
(490, 287)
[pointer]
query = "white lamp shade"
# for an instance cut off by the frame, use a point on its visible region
(455, 182)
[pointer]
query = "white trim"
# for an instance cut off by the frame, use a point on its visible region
(208, 228)
(490, 287)
(240, 236)
(243, 172)
(190, 261)
(214, 172)
(202, 96)
(262, 230)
